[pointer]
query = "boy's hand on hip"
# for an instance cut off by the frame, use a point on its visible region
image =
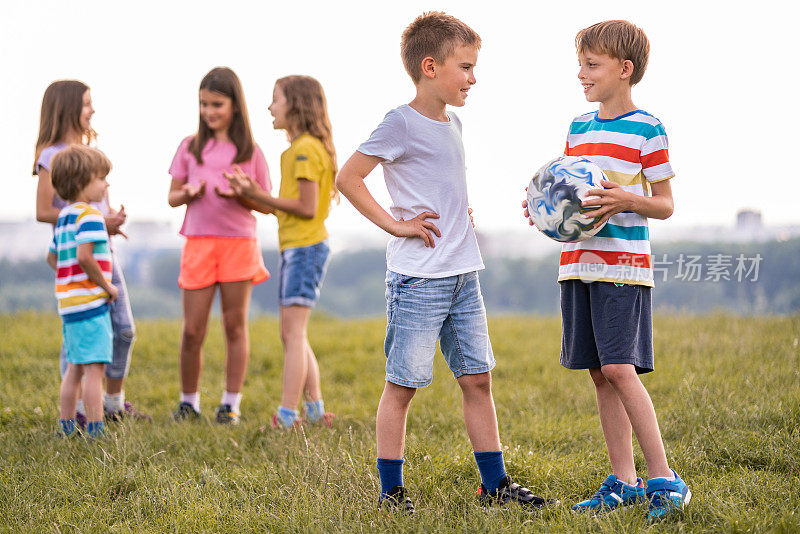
(113, 292)
(611, 200)
(418, 227)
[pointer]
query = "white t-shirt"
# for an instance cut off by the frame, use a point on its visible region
(423, 165)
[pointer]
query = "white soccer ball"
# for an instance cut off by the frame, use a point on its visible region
(555, 195)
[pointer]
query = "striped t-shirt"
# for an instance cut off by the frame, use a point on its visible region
(632, 151)
(78, 297)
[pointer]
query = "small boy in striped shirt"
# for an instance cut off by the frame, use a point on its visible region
(80, 255)
(606, 280)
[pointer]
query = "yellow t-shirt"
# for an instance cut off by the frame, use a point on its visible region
(305, 158)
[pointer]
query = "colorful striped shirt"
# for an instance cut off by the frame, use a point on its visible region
(78, 297)
(632, 150)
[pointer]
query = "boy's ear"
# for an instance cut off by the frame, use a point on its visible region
(428, 66)
(627, 69)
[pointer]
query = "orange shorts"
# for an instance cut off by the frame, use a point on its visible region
(206, 261)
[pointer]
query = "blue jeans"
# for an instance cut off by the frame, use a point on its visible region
(421, 310)
(301, 272)
(121, 325)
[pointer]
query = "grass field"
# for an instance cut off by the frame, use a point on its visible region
(727, 391)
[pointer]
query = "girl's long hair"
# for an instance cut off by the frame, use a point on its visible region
(308, 112)
(61, 115)
(224, 81)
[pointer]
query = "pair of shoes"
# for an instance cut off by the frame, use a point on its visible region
(185, 412)
(612, 495)
(277, 423)
(511, 492)
(128, 411)
(667, 496)
(396, 501)
(226, 416)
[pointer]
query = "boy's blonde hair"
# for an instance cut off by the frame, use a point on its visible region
(619, 39)
(433, 34)
(73, 168)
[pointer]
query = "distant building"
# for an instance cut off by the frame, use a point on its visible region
(748, 219)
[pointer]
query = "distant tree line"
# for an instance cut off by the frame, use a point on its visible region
(744, 278)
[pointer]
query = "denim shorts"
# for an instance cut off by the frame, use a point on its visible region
(420, 311)
(302, 270)
(605, 323)
(89, 340)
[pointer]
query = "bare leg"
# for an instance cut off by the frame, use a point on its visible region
(235, 299)
(479, 413)
(294, 324)
(196, 309)
(642, 416)
(70, 388)
(93, 391)
(312, 389)
(114, 385)
(390, 425)
(616, 428)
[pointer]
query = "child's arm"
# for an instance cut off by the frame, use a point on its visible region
(45, 211)
(350, 182)
(613, 199)
(115, 219)
(181, 192)
(52, 261)
(92, 269)
(245, 188)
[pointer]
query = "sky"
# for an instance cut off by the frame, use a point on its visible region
(721, 77)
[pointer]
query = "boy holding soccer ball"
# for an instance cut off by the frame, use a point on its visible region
(606, 280)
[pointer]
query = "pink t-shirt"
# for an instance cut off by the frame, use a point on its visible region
(212, 215)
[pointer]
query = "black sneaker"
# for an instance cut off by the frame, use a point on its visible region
(226, 416)
(511, 492)
(185, 412)
(396, 500)
(129, 411)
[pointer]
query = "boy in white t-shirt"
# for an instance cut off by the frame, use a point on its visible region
(432, 287)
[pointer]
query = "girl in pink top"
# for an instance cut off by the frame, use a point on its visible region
(221, 248)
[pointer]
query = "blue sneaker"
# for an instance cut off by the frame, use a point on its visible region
(612, 495)
(667, 496)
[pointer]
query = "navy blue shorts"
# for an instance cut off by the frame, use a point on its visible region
(604, 323)
(302, 270)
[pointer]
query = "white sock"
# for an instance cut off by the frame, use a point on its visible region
(193, 399)
(115, 402)
(232, 399)
(79, 408)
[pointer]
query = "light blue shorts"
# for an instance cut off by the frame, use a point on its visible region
(301, 272)
(90, 340)
(421, 310)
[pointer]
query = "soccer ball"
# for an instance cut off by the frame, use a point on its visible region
(555, 195)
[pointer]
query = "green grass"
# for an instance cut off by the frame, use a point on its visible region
(727, 391)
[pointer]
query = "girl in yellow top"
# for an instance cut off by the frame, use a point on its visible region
(308, 168)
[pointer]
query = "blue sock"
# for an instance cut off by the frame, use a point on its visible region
(67, 426)
(314, 410)
(390, 473)
(492, 469)
(286, 417)
(96, 429)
